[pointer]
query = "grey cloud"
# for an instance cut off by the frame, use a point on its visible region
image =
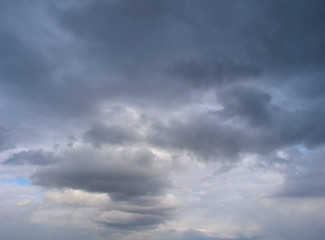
(248, 103)
(313, 89)
(113, 134)
(123, 47)
(298, 127)
(278, 224)
(32, 157)
(225, 134)
(123, 177)
(117, 215)
(154, 206)
(214, 69)
(134, 42)
(196, 235)
(140, 53)
(22, 67)
(304, 174)
(71, 140)
(268, 125)
(279, 35)
(5, 139)
(149, 47)
(63, 62)
(267, 35)
(30, 66)
(119, 29)
(134, 222)
(135, 181)
(290, 46)
(203, 136)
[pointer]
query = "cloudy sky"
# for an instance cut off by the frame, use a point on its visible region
(162, 120)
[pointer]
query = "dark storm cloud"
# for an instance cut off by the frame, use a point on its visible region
(124, 177)
(32, 157)
(202, 136)
(62, 63)
(248, 123)
(248, 103)
(213, 69)
(38, 67)
(276, 35)
(152, 49)
(114, 134)
(292, 36)
(296, 127)
(27, 75)
(126, 32)
(21, 66)
(147, 52)
(268, 31)
(160, 52)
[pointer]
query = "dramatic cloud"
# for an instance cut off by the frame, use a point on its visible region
(247, 103)
(123, 175)
(162, 119)
(129, 186)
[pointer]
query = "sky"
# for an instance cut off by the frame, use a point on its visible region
(162, 120)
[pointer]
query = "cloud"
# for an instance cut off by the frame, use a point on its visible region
(249, 123)
(214, 69)
(130, 221)
(5, 139)
(196, 235)
(32, 157)
(101, 210)
(304, 174)
(77, 198)
(165, 100)
(129, 187)
(22, 66)
(247, 103)
(114, 134)
(201, 135)
(92, 171)
(153, 54)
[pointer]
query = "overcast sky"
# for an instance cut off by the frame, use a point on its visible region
(162, 120)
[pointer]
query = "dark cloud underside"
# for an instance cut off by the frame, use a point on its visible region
(123, 177)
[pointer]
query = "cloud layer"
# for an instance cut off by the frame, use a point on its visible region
(162, 119)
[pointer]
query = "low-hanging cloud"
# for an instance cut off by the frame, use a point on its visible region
(176, 108)
(123, 175)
